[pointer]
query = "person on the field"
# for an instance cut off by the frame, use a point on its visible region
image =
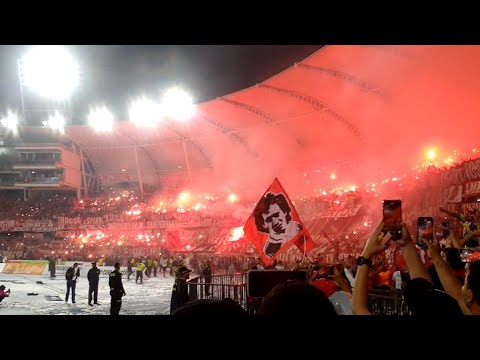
(164, 264)
(130, 265)
(140, 268)
(71, 276)
(207, 274)
(51, 267)
(180, 289)
(148, 271)
(116, 290)
(3, 293)
(93, 277)
(155, 267)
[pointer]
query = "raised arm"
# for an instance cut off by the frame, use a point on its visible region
(457, 244)
(450, 283)
(451, 213)
(341, 279)
(375, 244)
(412, 258)
(460, 243)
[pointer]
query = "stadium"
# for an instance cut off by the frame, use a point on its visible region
(341, 130)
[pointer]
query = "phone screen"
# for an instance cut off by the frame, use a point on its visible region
(466, 254)
(392, 218)
(324, 271)
(424, 230)
(446, 229)
(260, 282)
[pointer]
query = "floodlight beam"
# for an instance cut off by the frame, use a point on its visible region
(50, 71)
(56, 121)
(101, 119)
(144, 113)
(10, 121)
(177, 104)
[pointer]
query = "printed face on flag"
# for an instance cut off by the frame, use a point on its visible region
(274, 220)
(273, 216)
(274, 224)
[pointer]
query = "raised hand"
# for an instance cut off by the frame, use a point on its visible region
(376, 243)
(406, 237)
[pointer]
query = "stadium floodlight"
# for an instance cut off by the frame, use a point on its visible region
(10, 121)
(177, 104)
(100, 119)
(144, 113)
(50, 71)
(56, 122)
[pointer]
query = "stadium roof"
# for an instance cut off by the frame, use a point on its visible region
(357, 108)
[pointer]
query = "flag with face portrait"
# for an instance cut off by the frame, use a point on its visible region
(274, 225)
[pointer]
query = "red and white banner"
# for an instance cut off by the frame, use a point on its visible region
(347, 212)
(472, 188)
(274, 225)
(453, 194)
(469, 207)
(472, 170)
(27, 225)
(115, 223)
(454, 176)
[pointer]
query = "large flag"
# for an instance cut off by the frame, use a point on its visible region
(275, 225)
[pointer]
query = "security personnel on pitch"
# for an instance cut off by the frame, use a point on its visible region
(116, 290)
(140, 268)
(180, 289)
(93, 277)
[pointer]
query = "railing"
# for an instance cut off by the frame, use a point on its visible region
(7, 181)
(380, 302)
(39, 162)
(220, 287)
(7, 167)
(387, 302)
(39, 180)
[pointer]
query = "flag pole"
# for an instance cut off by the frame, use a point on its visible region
(304, 248)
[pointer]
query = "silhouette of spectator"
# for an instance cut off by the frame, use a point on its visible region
(93, 277)
(180, 289)
(424, 300)
(296, 299)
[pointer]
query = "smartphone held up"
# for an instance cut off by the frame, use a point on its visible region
(466, 255)
(445, 229)
(392, 218)
(424, 231)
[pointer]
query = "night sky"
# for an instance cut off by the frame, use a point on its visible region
(114, 74)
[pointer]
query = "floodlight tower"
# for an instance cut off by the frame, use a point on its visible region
(51, 73)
